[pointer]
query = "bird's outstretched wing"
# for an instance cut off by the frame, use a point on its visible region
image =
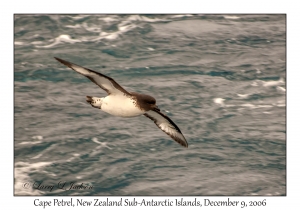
(103, 81)
(167, 125)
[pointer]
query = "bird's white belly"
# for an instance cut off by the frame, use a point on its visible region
(120, 106)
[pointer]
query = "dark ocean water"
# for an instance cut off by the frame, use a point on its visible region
(220, 78)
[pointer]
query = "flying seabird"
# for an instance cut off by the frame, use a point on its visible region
(121, 103)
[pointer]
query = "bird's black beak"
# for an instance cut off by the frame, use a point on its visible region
(156, 107)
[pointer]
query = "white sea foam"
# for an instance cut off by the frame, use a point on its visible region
(19, 43)
(281, 89)
(126, 27)
(252, 106)
(60, 39)
(219, 101)
(248, 105)
(273, 83)
(267, 112)
(73, 26)
(102, 144)
(123, 28)
(36, 42)
(108, 19)
(254, 84)
(110, 36)
(22, 171)
(268, 83)
(180, 16)
(92, 28)
(95, 139)
(243, 95)
(43, 152)
(38, 137)
(97, 150)
(79, 17)
(143, 18)
(231, 17)
(30, 142)
(264, 106)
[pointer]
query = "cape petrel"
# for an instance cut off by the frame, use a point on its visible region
(121, 103)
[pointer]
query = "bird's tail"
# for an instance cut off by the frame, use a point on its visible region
(94, 101)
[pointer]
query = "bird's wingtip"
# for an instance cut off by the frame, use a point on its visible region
(58, 59)
(184, 144)
(67, 63)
